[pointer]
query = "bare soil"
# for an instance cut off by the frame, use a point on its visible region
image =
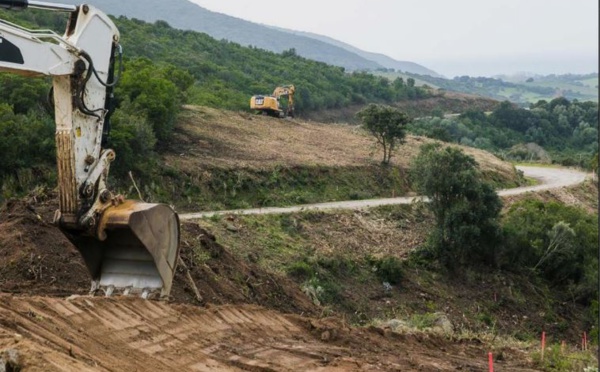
(107, 334)
(223, 331)
(208, 138)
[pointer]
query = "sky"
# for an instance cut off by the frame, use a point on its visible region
(452, 37)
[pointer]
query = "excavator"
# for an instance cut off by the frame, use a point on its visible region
(271, 105)
(129, 247)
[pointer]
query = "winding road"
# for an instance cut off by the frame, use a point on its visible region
(548, 178)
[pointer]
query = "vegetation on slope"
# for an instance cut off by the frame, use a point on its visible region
(568, 130)
(344, 259)
(186, 15)
(165, 68)
(219, 161)
(227, 74)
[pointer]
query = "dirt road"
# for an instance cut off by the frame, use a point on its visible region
(548, 177)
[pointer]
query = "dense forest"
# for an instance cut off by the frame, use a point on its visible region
(563, 131)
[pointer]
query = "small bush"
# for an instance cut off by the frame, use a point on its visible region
(389, 269)
(301, 270)
(556, 360)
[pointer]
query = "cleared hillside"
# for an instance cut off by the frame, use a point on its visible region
(213, 137)
(441, 102)
(222, 160)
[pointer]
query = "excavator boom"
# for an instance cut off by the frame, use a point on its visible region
(128, 246)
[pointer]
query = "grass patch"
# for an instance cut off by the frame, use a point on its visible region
(219, 189)
(557, 360)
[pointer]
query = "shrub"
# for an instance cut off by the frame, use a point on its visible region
(466, 208)
(559, 242)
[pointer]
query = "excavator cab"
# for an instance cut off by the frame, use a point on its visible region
(129, 247)
(280, 104)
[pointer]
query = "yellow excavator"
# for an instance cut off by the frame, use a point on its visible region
(129, 247)
(272, 105)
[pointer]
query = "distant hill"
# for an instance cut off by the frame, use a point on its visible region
(383, 60)
(521, 89)
(185, 15)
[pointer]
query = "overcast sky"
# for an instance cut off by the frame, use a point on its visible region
(452, 37)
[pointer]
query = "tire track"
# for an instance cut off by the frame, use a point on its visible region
(133, 334)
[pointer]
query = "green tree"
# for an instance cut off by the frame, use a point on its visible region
(466, 209)
(156, 91)
(133, 140)
(387, 125)
(23, 93)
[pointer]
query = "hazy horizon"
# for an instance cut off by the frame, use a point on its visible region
(464, 37)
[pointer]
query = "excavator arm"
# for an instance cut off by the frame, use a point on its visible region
(128, 246)
(286, 91)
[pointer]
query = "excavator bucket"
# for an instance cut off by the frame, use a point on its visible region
(137, 250)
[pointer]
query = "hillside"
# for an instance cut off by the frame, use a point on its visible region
(224, 160)
(440, 102)
(226, 74)
(582, 87)
(302, 291)
(381, 59)
(185, 15)
(523, 90)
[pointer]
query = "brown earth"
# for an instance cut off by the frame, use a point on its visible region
(208, 138)
(54, 334)
(108, 334)
(37, 259)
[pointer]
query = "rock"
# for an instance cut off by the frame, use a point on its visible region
(396, 325)
(443, 324)
(232, 228)
(9, 360)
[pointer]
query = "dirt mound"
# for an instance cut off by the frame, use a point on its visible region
(37, 259)
(222, 278)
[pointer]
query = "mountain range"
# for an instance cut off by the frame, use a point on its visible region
(186, 15)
